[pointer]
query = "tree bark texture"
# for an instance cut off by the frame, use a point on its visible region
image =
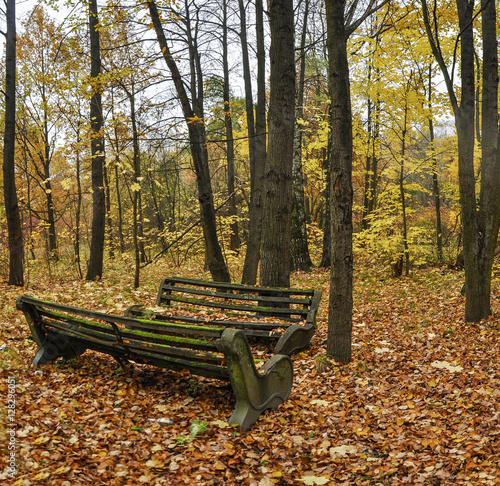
(15, 235)
(95, 265)
(341, 195)
(197, 139)
(276, 258)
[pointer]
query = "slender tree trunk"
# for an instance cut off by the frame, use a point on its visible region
(235, 242)
(301, 259)
(119, 208)
(136, 189)
(197, 139)
(46, 159)
(95, 265)
(276, 258)
(248, 91)
(78, 211)
(15, 237)
(341, 195)
(326, 255)
(256, 207)
(109, 221)
(405, 257)
(371, 166)
(435, 180)
(160, 220)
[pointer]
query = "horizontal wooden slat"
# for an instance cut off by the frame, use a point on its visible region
(270, 311)
(244, 297)
(239, 287)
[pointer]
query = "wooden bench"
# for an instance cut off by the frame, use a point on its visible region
(222, 353)
(284, 317)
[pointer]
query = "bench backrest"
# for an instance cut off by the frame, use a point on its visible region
(293, 305)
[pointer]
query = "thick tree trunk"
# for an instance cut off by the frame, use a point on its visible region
(340, 304)
(15, 237)
(477, 276)
(301, 259)
(256, 207)
(482, 234)
(197, 140)
(276, 258)
(480, 224)
(95, 265)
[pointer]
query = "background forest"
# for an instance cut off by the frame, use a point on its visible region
(406, 210)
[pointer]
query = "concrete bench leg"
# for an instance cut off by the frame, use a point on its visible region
(255, 391)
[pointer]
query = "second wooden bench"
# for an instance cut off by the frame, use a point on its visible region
(285, 317)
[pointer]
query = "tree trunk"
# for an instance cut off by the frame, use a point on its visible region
(197, 140)
(119, 207)
(276, 258)
(326, 255)
(480, 223)
(256, 207)
(235, 242)
(371, 166)
(95, 265)
(136, 188)
(340, 304)
(46, 159)
(301, 259)
(477, 304)
(405, 255)
(78, 211)
(15, 237)
(109, 220)
(435, 180)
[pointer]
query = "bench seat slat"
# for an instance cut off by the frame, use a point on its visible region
(176, 363)
(101, 330)
(106, 337)
(270, 311)
(154, 316)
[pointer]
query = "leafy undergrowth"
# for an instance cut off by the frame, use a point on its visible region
(418, 404)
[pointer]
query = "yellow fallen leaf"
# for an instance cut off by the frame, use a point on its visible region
(322, 403)
(313, 480)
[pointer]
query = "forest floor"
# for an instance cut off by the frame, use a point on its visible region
(419, 403)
